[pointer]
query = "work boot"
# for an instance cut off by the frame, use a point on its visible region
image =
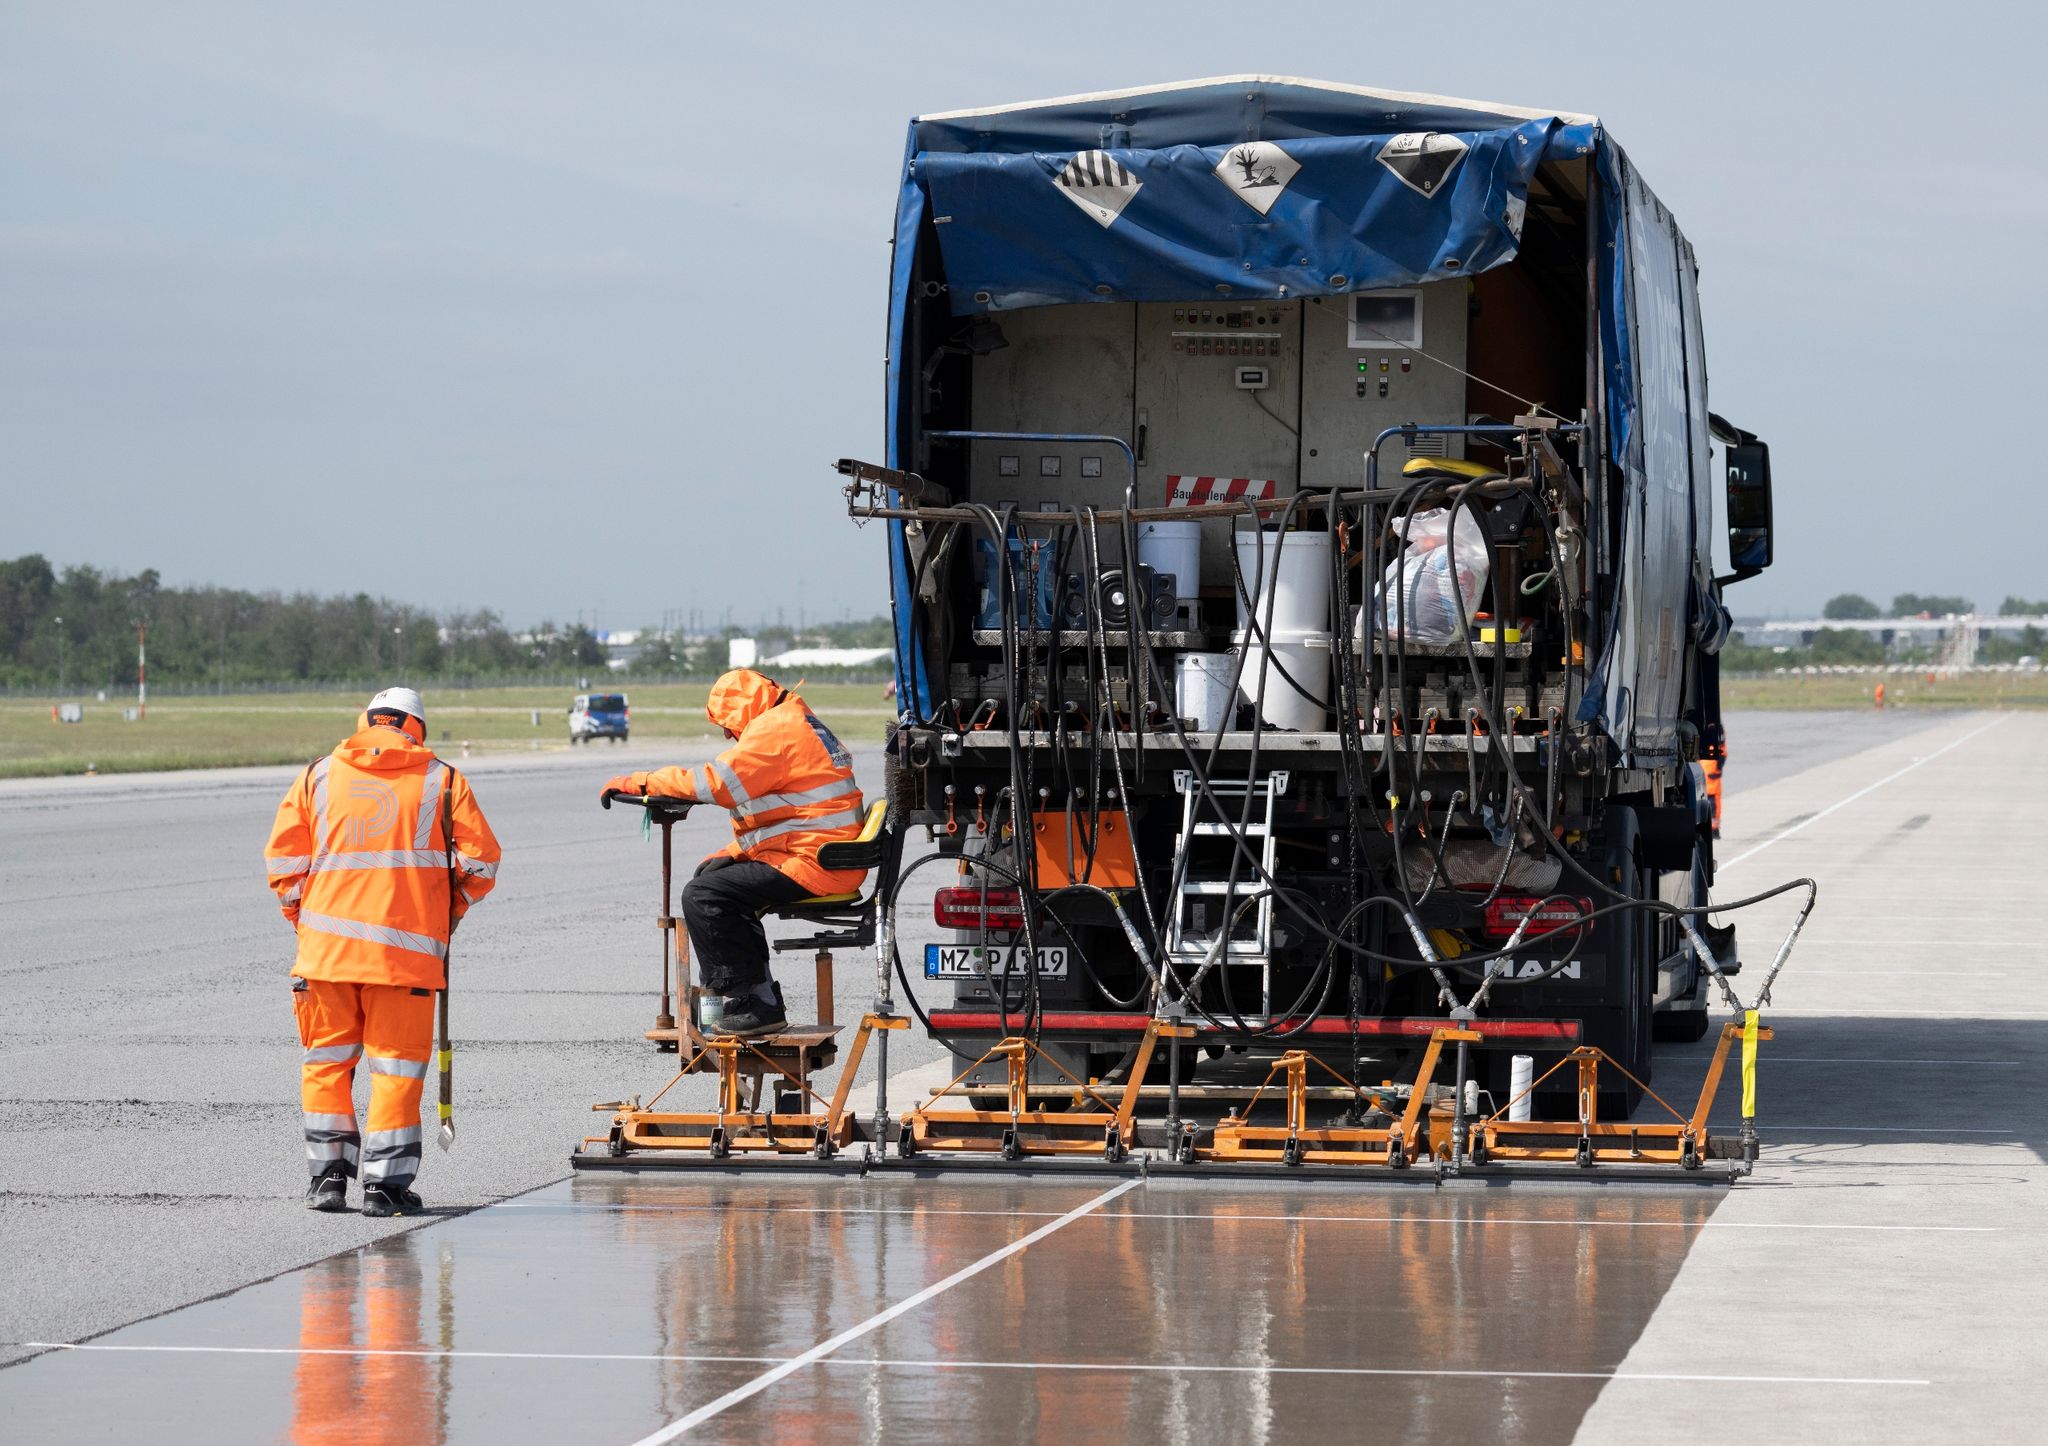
(380, 1201)
(748, 1015)
(329, 1191)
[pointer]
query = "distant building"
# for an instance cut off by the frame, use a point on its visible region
(826, 658)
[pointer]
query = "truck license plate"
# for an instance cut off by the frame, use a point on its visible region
(971, 961)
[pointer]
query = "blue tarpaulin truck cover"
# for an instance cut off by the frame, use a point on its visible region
(1260, 187)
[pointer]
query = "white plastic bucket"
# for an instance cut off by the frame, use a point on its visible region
(1296, 565)
(1174, 547)
(1281, 703)
(1202, 690)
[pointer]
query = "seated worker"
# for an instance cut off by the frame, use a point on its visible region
(789, 784)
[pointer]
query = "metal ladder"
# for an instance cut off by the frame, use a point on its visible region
(1188, 951)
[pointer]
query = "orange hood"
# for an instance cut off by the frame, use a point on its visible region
(741, 696)
(382, 748)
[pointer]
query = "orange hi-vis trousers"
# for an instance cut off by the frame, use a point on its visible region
(391, 1027)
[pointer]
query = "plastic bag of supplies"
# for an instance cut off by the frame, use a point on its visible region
(1418, 599)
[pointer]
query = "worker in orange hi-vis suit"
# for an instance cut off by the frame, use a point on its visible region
(789, 784)
(379, 849)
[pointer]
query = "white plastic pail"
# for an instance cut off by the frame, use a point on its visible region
(1174, 547)
(1202, 691)
(1296, 565)
(1299, 698)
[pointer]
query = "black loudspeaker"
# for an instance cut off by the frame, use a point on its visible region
(1157, 602)
(1073, 610)
(1119, 602)
(1165, 609)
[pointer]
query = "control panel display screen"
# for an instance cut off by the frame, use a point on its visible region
(1386, 319)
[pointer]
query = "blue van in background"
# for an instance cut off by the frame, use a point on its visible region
(597, 715)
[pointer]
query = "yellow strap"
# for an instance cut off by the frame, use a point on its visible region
(447, 1111)
(447, 1058)
(1749, 1064)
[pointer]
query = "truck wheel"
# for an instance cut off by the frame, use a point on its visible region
(1621, 1022)
(1680, 1026)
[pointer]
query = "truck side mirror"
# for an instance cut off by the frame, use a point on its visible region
(1749, 506)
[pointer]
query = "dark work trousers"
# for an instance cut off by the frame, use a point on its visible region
(722, 909)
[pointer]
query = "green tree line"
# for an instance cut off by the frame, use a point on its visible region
(83, 623)
(1855, 607)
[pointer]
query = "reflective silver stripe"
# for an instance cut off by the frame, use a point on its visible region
(380, 859)
(824, 794)
(293, 894)
(476, 868)
(709, 785)
(332, 1053)
(375, 933)
(430, 802)
(320, 801)
(391, 1064)
(331, 1124)
(800, 825)
(391, 1155)
(290, 864)
(731, 780)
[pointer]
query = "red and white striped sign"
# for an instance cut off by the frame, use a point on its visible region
(1195, 491)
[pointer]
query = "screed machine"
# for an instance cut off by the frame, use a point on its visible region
(1301, 518)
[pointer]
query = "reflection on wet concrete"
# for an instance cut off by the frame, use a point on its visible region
(605, 1307)
(365, 1373)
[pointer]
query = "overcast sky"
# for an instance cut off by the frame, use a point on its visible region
(567, 309)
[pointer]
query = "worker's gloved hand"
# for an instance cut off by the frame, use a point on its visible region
(716, 862)
(634, 784)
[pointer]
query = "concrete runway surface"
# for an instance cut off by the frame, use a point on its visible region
(1880, 1278)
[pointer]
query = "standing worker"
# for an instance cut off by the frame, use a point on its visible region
(379, 849)
(789, 784)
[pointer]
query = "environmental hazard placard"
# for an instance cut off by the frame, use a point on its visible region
(1257, 171)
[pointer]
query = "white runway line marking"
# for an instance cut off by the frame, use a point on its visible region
(1859, 793)
(1831, 1059)
(1875, 1129)
(1486, 1375)
(875, 1322)
(786, 1364)
(396, 1352)
(1234, 1219)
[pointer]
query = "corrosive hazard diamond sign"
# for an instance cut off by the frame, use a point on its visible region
(1258, 171)
(1098, 184)
(1422, 159)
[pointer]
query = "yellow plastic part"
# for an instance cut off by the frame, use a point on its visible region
(1452, 469)
(1749, 1064)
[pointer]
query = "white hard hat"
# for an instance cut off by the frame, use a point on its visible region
(399, 700)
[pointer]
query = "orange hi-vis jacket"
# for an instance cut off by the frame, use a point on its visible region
(788, 781)
(377, 850)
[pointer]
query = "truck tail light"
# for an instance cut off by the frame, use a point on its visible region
(1504, 914)
(972, 908)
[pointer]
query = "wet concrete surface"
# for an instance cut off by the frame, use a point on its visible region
(1882, 1277)
(609, 1307)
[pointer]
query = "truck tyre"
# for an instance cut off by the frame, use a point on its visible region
(1688, 1024)
(1681, 1026)
(1621, 1023)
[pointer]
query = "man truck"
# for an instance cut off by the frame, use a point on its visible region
(1302, 530)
